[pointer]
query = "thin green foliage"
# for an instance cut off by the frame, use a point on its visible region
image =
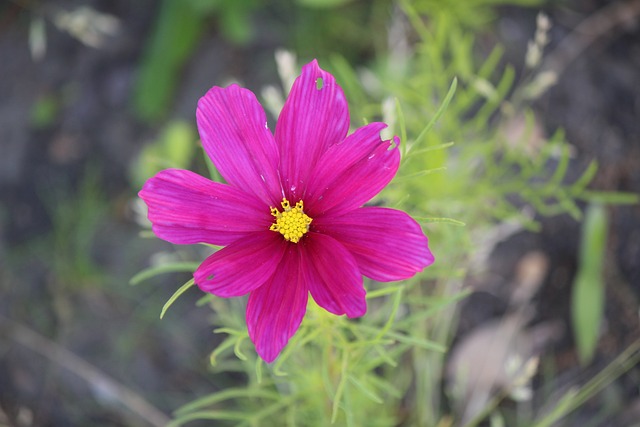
(174, 148)
(76, 221)
(438, 114)
(217, 415)
(177, 30)
(340, 371)
(182, 289)
(229, 394)
(176, 267)
(340, 390)
(403, 129)
(587, 304)
(441, 220)
(577, 396)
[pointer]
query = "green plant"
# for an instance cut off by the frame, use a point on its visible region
(464, 174)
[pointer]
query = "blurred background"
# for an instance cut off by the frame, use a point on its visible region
(95, 94)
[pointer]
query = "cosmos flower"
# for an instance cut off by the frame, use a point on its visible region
(291, 218)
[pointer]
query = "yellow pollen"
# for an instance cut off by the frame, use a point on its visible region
(292, 223)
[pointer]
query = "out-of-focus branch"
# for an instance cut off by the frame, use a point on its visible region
(604, 21)
(128, 398)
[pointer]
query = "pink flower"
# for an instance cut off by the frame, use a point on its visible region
(291, 218)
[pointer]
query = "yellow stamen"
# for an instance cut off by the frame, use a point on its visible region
(292, 223)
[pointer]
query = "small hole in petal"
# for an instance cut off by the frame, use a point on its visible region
(319, 83)
(210, 277)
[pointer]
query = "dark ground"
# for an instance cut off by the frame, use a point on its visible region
(92, 311)
(597, 103)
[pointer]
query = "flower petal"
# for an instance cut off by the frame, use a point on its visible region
(275, 310)
(333, 276)
(349, 174)
(314, 117)
(234, 133)
(387, 244)
(241, 267)
(187, 208)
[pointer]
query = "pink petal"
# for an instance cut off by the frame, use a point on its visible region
(387, 244)
(334, 280)
(311, 120)
(187, 208)
(241, 267)
(349, 174)
(275, 310)
(234, 133)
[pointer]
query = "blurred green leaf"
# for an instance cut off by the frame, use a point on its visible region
(210, 415)
(610, 198)
(472, 14)
(174, 149)
(177, 30)
(44, 111)
(323, 3)
(204, 6)
(221, 396)
(586, 177)
(235, 20)
(587, 303)
(439, 112)
(451, 221)
(575, 397)
(176, 267)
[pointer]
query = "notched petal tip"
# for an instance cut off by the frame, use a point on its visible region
(349, 174)
(394, 143)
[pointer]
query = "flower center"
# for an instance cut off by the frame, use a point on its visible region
(292, 223)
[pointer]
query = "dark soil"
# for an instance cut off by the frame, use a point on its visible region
(597, 102)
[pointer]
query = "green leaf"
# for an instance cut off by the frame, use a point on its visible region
(444, 220)
(224, 345)
(432, 148)
(561, 169)
(383, 291)
(402, 124)
(175, 296)
(586, 177)
(340, 389)
(577, 396)
(587, 303)
(174, 148)
(365, 390)
(439, 112)
(235, 20)
(610, 198)
(210, 415)
(348, 78)
(323, 4)
(45, 111)
(228, 394)
(176, 267)
(177, 30)
(420, 173)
